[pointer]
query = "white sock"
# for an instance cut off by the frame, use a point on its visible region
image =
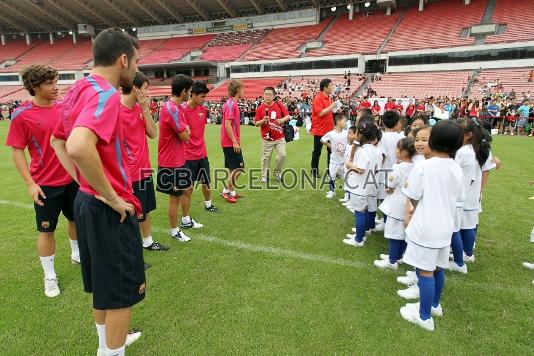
(233, 193)
(101, 331)
(74, 248)
(207, 203)
(226, 191)
(174, 230)
(186, 219)
(147, 241)
(48, 267)
(117, 352)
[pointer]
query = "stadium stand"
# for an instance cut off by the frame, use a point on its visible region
(14, 49)
(517, 17)
(520, 80)
(235, 38)
(225, 53)
(253, 88)
(175, 48)
(438, 26)
(421, 84)
(76, 58)
(285, 42)
(361, 35)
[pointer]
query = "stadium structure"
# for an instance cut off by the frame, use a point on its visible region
(419, 47)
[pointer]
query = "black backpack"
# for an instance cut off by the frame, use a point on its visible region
(289, 132)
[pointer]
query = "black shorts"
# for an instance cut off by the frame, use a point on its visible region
(200, 170)
(233, 160)
(111, 254)
(144, 191)
(58, 199)
(173, 181)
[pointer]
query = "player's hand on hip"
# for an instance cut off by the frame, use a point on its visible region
(237, 148)
(122, 207)
(36, 193)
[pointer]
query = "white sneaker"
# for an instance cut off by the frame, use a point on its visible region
(412, 292)
(264, 180)
(378, 221)
(354, 229)
(132, 337)
(438, 311)
(453, 267)
(51, 287)
(528, 265)
(346, 204)
(408, 280)
(353, 236)
(75, 259)
(385, 264)
(469, 258)
(344, 200)
(180, 236)
(192, 224)
(386, 257)
(353, 242)
(412, 315)
(330, 194)
(379, 227)
(352, 211)
(411, 274)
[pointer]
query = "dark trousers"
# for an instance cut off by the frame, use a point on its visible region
(316, 154)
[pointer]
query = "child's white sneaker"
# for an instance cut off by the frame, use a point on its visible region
(378, 221)
(383, 256)
(352, 211)
(412, 315)
(379, 227)
(330, 194)
(385, 264)
(469, 258)
(353, 236)
(353, 242)
(412, 292)
(411, 274)
(408, 280)
(344, 200)
(528, 265)
(438, 311)
(453, 267)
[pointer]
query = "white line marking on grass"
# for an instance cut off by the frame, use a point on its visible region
(273, 250)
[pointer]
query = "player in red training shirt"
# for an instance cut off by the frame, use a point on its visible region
(105, 208)
(196, 155)
(390, 105)
(138, 125)
(173, 176)
(231, 140)
(49, 185)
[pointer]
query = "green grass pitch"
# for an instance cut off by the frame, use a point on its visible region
(270, 275)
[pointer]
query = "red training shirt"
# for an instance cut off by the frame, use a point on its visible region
(94, 103)
(135, 142)
(231, 113)
(197, 119)
(32, 126)
(171, 150)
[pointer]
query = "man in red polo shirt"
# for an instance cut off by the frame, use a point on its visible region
(271, 117)
(322, 121)
(365, 103)
(390, 105)
(399, 107)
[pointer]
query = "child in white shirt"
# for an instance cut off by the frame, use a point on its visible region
(394, 206)
(336, 141)
(434, 187)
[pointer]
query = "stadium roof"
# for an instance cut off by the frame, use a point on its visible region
(28, 16)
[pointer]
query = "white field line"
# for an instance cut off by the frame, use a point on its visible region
(275, 251)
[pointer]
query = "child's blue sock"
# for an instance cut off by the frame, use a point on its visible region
(394, 250)
(332, 185)
(457, 248)
(427, 290)
(439, 278)
(468, 239)
(361, 224)
(371, 220)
